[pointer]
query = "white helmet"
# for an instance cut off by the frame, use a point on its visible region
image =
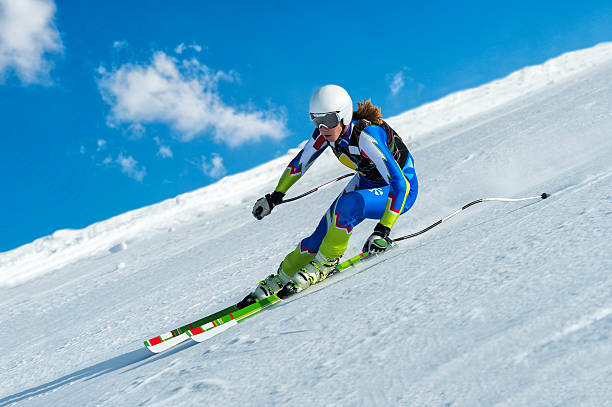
(332, 98)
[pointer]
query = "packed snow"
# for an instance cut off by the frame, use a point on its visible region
(506, 304)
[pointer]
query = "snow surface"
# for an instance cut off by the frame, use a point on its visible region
(506, 304)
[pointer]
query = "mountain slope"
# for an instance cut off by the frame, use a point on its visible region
(506, 304)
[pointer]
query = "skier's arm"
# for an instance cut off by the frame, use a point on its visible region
(301, 162)
(373, 144)
(296, 168)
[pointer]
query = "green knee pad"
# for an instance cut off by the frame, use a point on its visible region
(334, 245)
(335, 242)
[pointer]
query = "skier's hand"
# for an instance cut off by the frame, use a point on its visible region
(264, 205)
(378, 241)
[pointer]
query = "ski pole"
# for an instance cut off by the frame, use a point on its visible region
(316, 189)
(543, 196)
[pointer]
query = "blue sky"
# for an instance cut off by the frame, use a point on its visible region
(110, 108)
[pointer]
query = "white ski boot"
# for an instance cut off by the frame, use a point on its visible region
(272, 284)
(317, 270)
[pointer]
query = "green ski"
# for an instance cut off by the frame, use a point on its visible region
(218, 322)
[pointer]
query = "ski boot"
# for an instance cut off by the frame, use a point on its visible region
(271, 285)
(315, 271)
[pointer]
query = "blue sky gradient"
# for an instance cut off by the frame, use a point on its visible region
(68, 159)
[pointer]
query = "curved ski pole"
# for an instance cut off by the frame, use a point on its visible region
(315, 189)
(543, 196)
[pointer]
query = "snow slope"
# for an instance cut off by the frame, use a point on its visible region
(506, 304)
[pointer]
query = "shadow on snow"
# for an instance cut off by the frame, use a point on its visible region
(92, 372)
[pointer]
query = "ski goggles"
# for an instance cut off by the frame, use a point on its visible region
(328, 120)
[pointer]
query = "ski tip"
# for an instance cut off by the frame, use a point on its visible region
(544, 195)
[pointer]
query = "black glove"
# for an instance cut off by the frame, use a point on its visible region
(264, 205)
(378, 241)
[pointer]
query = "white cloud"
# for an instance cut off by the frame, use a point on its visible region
(136, 130)
(101, 144)
(182, 47)
(129, 166)
(27, 34)
(164, 151)
(120, 44)
(183, 94)
(398, 83)
(214, 167)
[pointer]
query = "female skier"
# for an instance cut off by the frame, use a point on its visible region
(384, 187)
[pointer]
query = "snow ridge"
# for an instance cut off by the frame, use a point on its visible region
(459, 106)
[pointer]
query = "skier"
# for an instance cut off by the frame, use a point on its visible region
(384, 187)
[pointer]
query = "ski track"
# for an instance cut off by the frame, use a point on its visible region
(506, 304)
